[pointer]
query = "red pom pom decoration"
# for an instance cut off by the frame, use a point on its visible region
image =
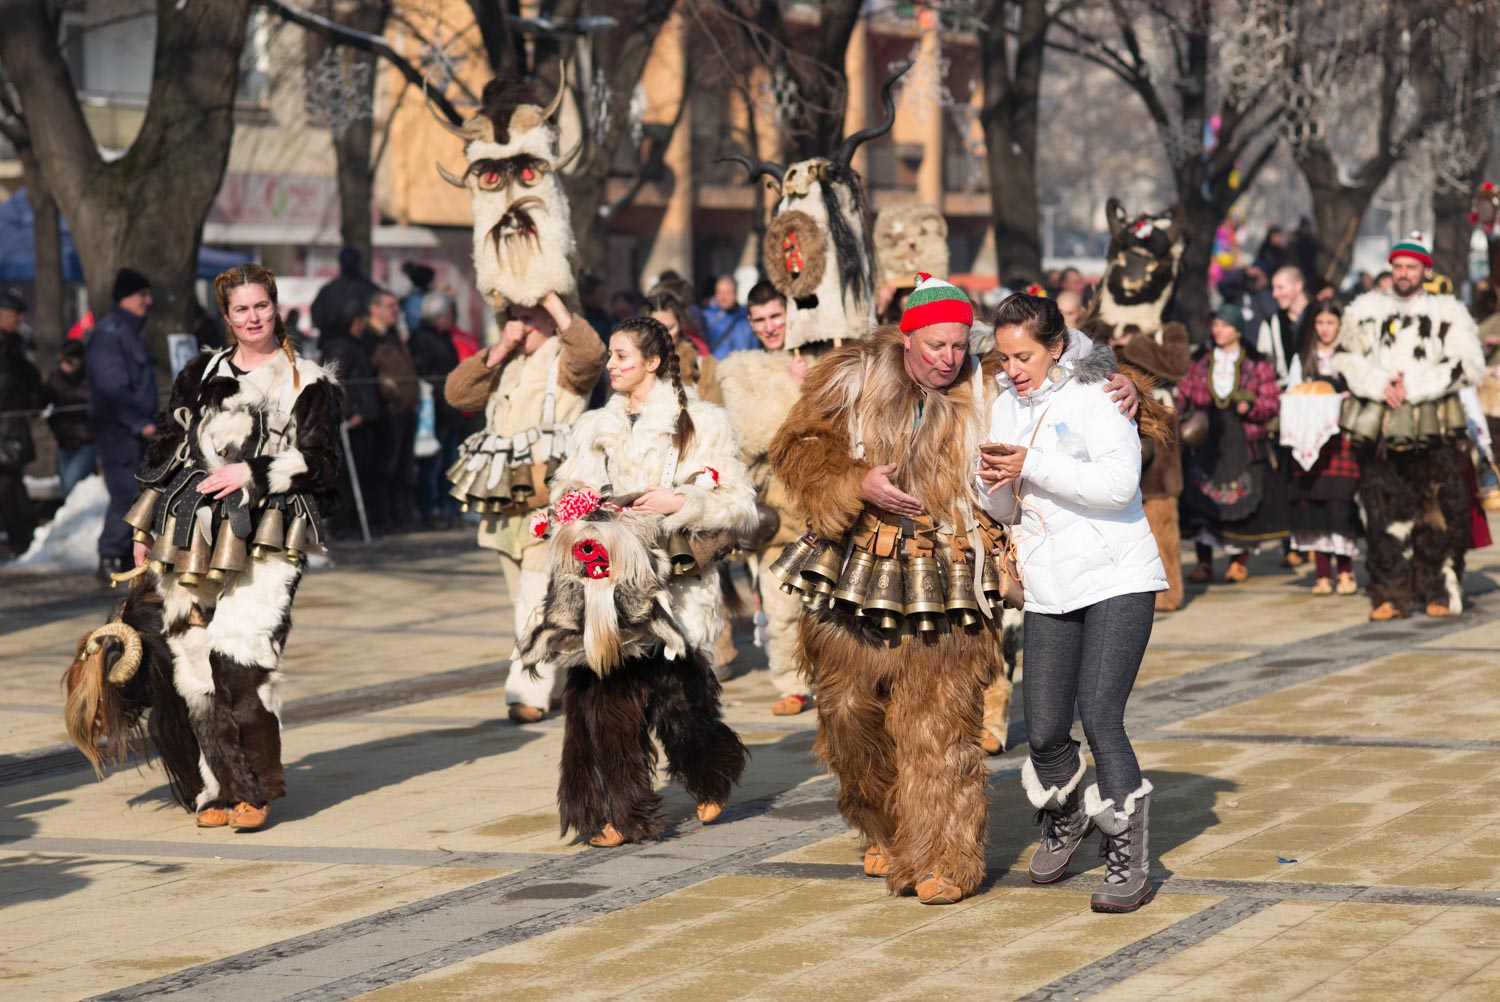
(575, 504)
(538, 524)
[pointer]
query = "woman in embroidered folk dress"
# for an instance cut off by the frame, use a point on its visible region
(676, 458)
(1231, 499)
(1322, 511)
(236, 479)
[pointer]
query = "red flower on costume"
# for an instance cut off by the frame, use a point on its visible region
(539, 524)
(706, 478)
(574, 505)
(594, 557)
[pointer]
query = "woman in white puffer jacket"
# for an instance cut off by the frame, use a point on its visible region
(1090, 568)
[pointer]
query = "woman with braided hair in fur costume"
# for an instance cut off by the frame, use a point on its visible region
(235, 480)
(675, 457)
(880, 453)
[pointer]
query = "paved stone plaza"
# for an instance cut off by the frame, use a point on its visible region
(1326, 826)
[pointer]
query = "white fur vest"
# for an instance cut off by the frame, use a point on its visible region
(609, 449)
(1430, 340)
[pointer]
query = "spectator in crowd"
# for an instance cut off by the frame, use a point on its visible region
(67, 392)
(673, 282)
(1272, 254)
(1071, 280)
(344, 351)
(1322, 511)
(1070, 304)
(1231, 497)
(396, 428)
(1281, 333)
(1384, 282)
(351, 285)
(20, 391)
(205, 328)
(434, 355)
(698, 367)
(123, 404)
(726, 327)
(420, 276)
(593, 296)
(623, 304)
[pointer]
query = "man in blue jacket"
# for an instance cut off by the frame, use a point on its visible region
(122, 408)
(726, 327)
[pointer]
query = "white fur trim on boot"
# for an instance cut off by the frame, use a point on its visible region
(1051, 797)
(1104, 815)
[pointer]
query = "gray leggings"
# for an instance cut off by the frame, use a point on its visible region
(1088, 657)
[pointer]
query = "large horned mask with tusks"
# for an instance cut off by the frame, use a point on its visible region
(523, 232)
(817, 250)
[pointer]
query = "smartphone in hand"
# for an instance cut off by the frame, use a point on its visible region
(997, 449)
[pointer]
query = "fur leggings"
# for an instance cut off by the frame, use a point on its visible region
(1417, 513)
(608, 759)
(899, 726)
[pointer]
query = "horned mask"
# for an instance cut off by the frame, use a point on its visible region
(817, 250)
(1145, 255)
(523, 234)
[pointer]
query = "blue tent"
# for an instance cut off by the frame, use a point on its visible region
(18, 247)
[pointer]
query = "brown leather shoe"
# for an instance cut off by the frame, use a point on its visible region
(876, 865)
(520, 713)
(1202, 574)
(1236, 572)
(1293, 559)
(1347, 585)
(1323, 586)
(790, 705)
(990, 744)
(246, 817)
(708, 813)
(935, 889)
(213, 817)
(1386, 611)
(1438, 610)
(609, 838)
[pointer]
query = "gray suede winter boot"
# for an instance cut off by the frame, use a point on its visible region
(1064, 823)
(1124, 847)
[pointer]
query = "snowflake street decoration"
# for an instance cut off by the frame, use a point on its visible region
(1445, 159)
(602, 96)
(960, 16)
(338, 93)
(439, 65)
(637, 114)
(781, 93)
(1182, 140)
(924, 89)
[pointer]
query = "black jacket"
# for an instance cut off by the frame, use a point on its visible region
(434, 356)
(69, 395)
(347, 356)
(121, 374)
(20, 390)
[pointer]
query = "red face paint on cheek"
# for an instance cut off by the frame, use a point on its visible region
(628, 369)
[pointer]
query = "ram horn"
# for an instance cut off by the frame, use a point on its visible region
(848, 146)
(125, 668)
(568, 157)
(557, 98)
(441, 119)
(756, 168)
(450, 177)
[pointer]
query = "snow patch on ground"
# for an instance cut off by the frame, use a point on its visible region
(70, 542)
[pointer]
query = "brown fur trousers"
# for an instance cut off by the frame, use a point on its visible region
(899, 726)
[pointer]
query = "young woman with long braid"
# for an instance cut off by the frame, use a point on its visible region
(655, 444)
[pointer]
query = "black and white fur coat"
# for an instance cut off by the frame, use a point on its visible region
(608, 449)
(227, 645)
(1430, 340)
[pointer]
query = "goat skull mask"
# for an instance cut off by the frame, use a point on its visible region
(523, 232)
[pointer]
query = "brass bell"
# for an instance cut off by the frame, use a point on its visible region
(823, 566)
(456, 489)
(990, 579)
(297, 537)
(456, 470)
(269, 534)
(1401, 427)
(522, 486)
(681, 554)
(500, 493)
(854, 583)
(1454, 422)
(163, 554)
(139, 515)
(229, 555)
(961, 604)
(886, 600)
(787, 567)
(196, 562)
(924, 593)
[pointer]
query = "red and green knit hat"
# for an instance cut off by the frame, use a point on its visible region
(1413, 246)
(935, 301)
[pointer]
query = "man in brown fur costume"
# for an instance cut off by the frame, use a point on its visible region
(880, 453)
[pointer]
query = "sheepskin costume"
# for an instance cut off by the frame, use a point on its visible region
(226, 632)
(1415, 494)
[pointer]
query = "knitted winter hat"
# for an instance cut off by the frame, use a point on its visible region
(128, 282)
(935, 301)
(1413, 246)
(1233, 316)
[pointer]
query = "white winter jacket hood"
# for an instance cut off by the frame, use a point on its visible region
(1082, 535)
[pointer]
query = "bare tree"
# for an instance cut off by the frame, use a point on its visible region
(47, 311)
(1192, 63)
(145, 208)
